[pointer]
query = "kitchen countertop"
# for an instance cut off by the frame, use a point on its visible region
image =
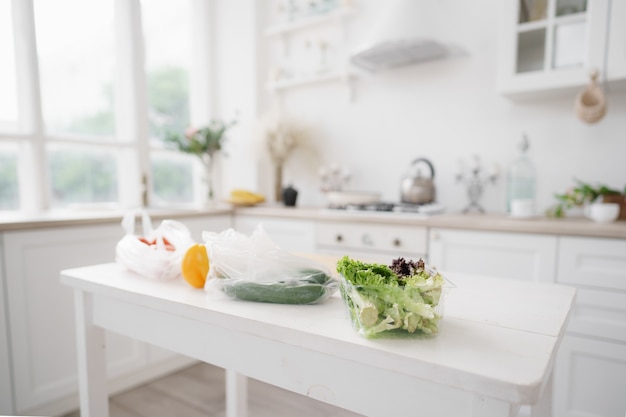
(62, 218)
(493, 222)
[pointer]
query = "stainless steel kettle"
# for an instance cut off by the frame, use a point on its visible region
(415, 188)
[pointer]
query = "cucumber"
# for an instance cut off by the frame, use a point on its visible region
(307, 287)
(276, 292)
(315, 276)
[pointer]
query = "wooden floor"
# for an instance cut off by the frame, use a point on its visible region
(199, 391)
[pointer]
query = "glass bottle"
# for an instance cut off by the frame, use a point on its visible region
(521, 180)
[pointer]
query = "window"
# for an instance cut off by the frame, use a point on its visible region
(8, 81)
(79, 175)
(76, 72)
(168, 68)
(86, 97)
(172, 177)
(168, 59)
(9, 193)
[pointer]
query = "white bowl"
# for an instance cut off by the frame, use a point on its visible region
(603, 212)
(344, 198)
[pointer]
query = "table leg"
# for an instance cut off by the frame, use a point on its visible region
(544, 405)
(92, 380)
(236, 394)
(490, 407)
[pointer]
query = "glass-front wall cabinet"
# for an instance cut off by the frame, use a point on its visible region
(551, 45)
(563, 27)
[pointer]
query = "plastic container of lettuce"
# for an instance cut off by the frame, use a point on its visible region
(404, 299)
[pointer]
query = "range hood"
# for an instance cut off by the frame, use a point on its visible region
(408, 32)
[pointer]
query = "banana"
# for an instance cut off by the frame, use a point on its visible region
(241, 196)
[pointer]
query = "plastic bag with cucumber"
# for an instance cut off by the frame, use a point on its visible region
(254, 268)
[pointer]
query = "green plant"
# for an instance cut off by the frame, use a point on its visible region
(207, 140)
(578, 196)
(204, 142)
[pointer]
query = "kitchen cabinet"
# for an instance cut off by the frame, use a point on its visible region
(43, 364)
(198, 225)
(308, 47)
(371, 241)
(589, 378)
(6, 391)
(616, 68)
(550, 46)
(590, 372)
(506, 255)
(41, 316)
(294, 235)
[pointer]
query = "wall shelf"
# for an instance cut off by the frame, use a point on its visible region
(299, 61)
(340, 76)
(307, 22)
(295, 82)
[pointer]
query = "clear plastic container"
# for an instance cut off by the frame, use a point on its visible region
(388, 311)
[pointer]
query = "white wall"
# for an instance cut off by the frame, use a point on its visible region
(444, 110)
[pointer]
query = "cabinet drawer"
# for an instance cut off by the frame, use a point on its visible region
(503, 255)
(598, 268)
(599, 313)
(592, 262)
(372, 237)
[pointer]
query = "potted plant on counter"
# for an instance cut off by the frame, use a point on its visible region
(584, 193)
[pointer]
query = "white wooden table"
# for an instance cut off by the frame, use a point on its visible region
(495, 351)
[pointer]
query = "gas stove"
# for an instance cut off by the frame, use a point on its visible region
(392, 207)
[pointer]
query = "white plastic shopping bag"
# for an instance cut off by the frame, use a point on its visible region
(153, 253)
(254, 268)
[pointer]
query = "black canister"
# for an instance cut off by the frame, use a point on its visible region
(290, 195)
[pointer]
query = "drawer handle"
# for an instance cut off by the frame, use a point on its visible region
(367, 240)
(397, 242)
(339, 238)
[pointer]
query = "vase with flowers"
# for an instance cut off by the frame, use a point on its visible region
(205, 143)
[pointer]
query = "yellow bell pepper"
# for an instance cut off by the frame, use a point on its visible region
(195, 265)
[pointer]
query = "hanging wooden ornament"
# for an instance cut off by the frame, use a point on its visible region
(590, 103)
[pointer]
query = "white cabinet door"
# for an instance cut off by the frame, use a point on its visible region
(589, 378)
(505, 255)
(597, 267)
(550, 46)
(590, 372)
(617, 41)
(6, 391)
(41, 311)
(290, 234)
